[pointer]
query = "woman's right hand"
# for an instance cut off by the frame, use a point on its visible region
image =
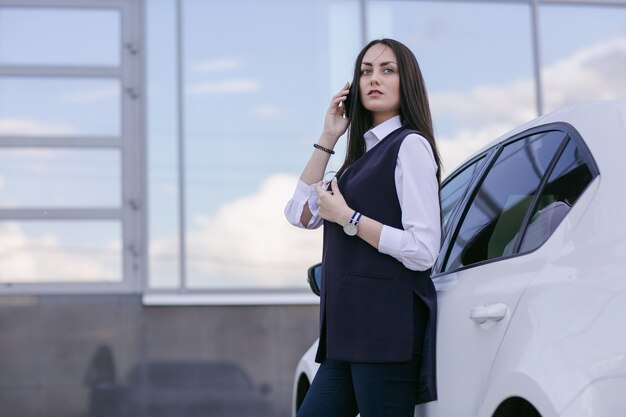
(335, 124)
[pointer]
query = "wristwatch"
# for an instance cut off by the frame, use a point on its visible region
(350, 228)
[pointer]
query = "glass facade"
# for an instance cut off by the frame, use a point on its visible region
(163, 147)
(63, 178)
(70, 140)
(235, 95)
(48, 45)
(583, 54)
(60, 106)
(60, 251)
(475, 94)
(252, 108)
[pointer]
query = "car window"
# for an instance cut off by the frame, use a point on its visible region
(566, 182)
(497, 210)
(454, 188)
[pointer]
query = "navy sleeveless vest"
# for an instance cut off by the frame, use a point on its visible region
(366, 307)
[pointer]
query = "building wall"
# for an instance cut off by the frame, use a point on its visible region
(109, 355)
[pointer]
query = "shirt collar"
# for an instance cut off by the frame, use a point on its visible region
(376, 134)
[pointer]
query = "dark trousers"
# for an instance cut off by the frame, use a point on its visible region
(345, 389)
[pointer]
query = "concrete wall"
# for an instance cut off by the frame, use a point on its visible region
(78, 356)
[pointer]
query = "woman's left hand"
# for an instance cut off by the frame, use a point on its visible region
(332, 205)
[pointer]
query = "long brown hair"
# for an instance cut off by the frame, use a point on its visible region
(414, 107)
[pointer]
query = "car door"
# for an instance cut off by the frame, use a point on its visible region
(478, 276)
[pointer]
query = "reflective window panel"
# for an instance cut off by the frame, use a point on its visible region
(34, 177)
(476, 59)
(58, 106)
(32, 36)
(490, 227)
(163, 189)
(569, 178)
(255, 102)
(583, 52)
(60, 251)
(455, 189)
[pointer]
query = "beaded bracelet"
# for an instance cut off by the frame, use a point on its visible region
(321, 148)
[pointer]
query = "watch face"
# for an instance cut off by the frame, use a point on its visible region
(350, 229)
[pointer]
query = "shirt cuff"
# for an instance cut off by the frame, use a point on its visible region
(301, 195)
(313, 198)
(307, 194)
(390, 242)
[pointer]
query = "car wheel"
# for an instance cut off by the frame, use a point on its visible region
(516, 407)
(302, 389)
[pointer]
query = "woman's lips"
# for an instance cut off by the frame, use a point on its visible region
(374, 92)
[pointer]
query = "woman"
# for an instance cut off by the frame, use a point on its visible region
(382, 232)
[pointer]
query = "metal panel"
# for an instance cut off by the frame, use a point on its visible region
(181, 147)
(536, 56)
(60, 214)
(60, 71)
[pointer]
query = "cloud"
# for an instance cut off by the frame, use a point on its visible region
(511, 104)
(32, 127)
(489, 111)
(248, 242)
(91, 96)
(465, 142)
(486, 112)
(215, 65)
(593, 73)
(267, 110)
(24, 258)
(230, 86)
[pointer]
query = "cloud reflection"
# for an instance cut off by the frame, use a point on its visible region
(230, 86)
(215, 65)
(489, 111)
(268, 111)
(33, 127)
(248, 242)
(44, 258)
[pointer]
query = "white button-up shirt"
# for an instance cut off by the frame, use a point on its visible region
(417, 244)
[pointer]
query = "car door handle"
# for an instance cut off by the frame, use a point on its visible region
(494, 312)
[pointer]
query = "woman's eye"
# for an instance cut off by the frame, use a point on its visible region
(388, 70)
(365, 71)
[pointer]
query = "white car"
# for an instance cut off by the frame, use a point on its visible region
(531, 277)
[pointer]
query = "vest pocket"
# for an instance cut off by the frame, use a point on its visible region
(368, 276)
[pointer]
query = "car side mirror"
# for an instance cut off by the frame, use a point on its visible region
(314, 276)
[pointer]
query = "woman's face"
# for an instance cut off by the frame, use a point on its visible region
(379, 82)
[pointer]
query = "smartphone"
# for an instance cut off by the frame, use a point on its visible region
(348, 103)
